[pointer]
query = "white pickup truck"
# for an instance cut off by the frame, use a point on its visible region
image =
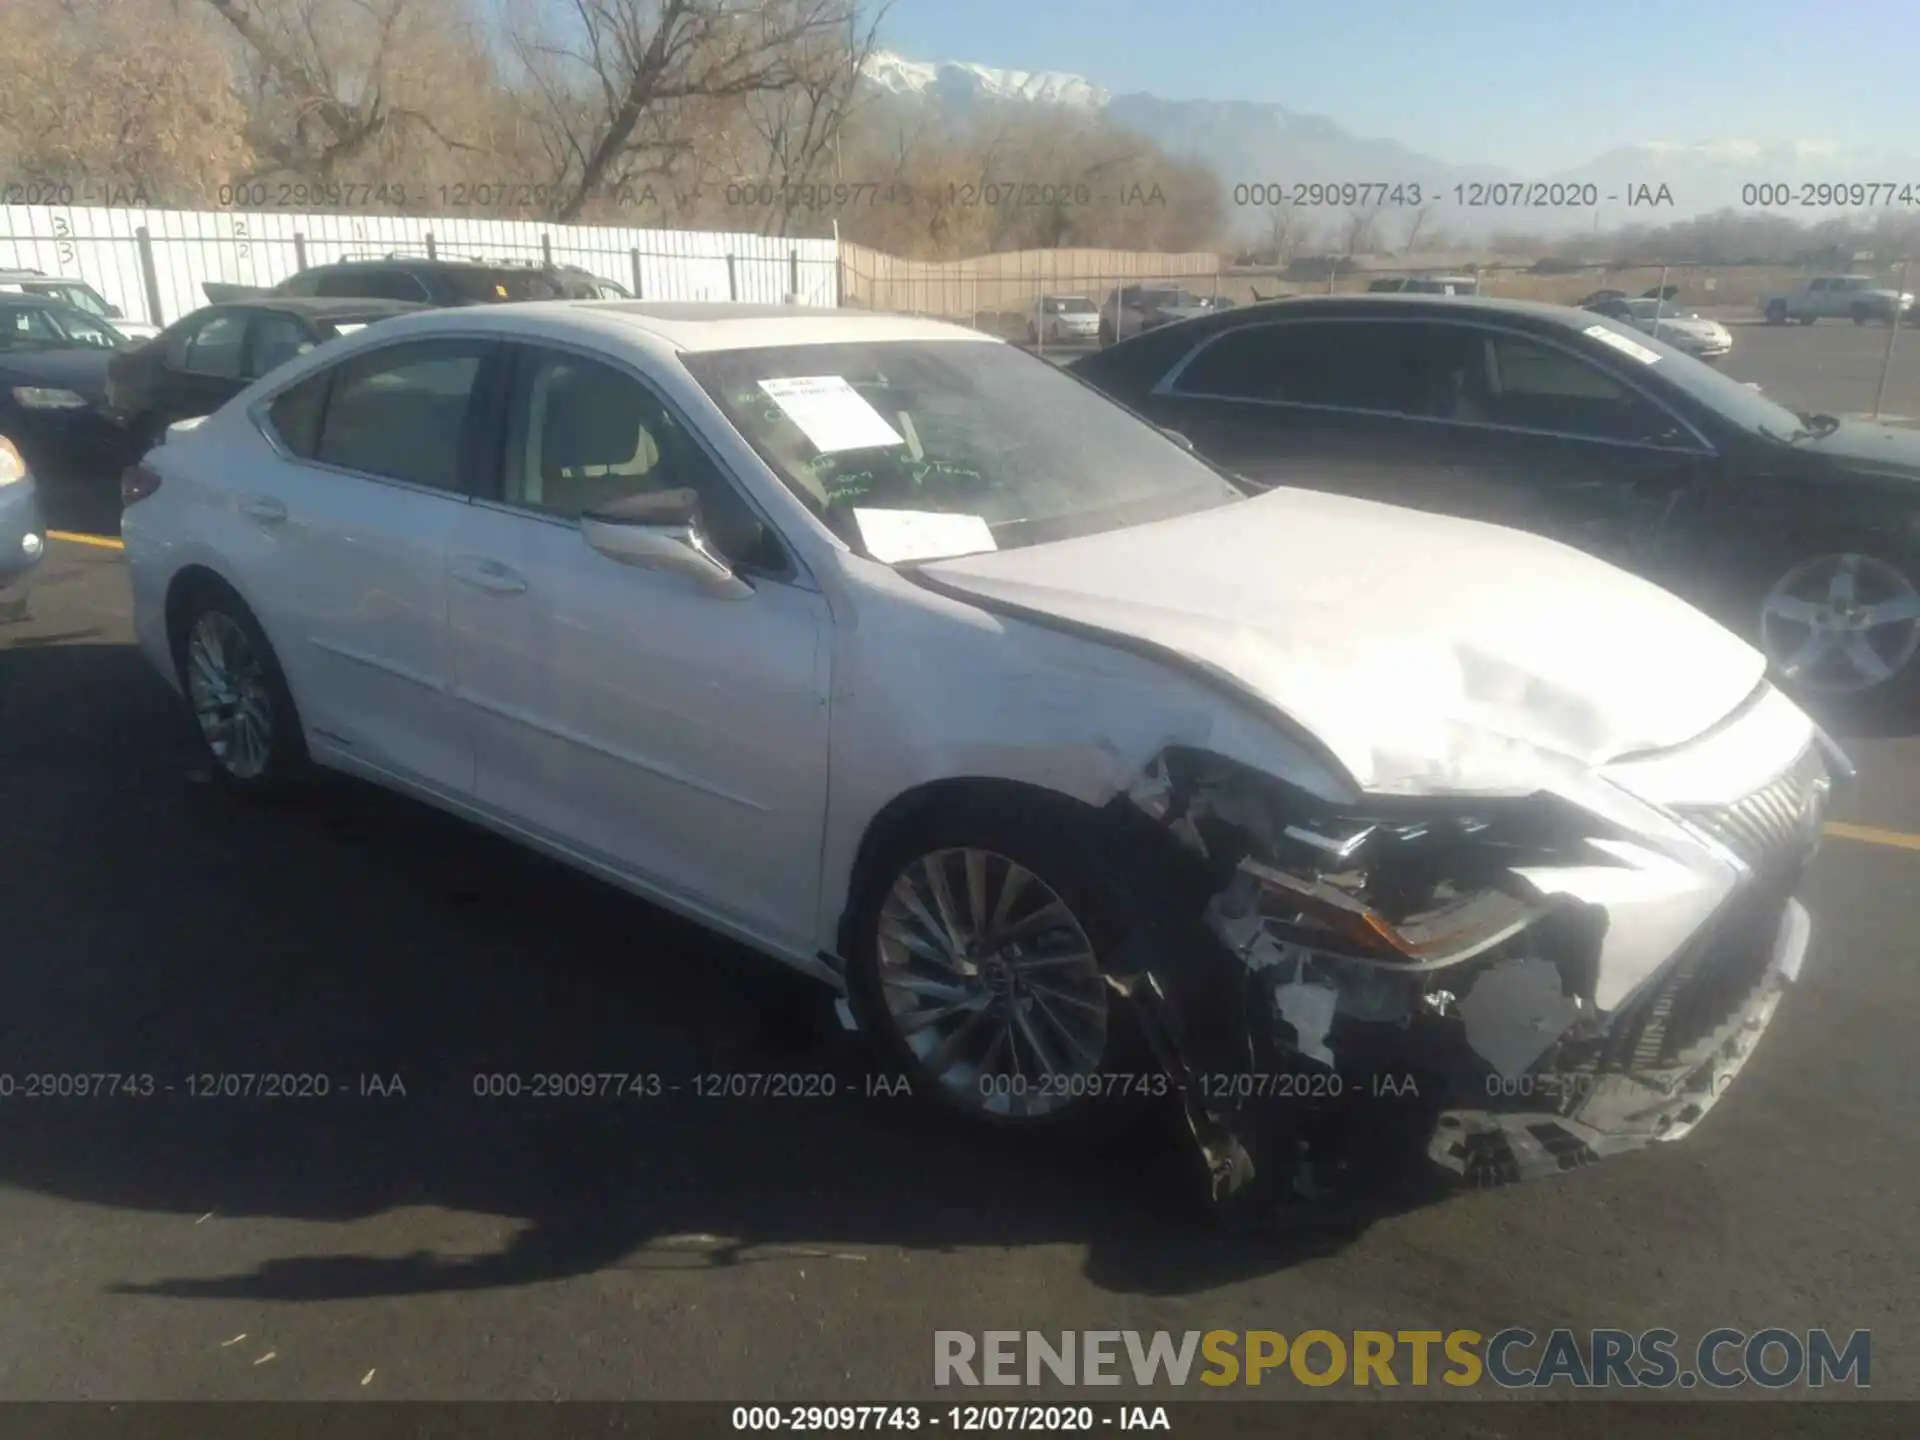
(1859, 298)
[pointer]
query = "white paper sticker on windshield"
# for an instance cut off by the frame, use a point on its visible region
(1623, 344)
(896, 536)
(831, 413)
(347, 329)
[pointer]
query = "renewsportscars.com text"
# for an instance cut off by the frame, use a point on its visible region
(1514, 1358)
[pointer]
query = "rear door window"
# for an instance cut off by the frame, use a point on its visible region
(1368, 365)
(401, 412)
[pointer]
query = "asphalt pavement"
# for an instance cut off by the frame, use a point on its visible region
(405, 1236)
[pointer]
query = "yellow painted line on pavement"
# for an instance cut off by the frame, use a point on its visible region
(74, 537)
(1872, 835)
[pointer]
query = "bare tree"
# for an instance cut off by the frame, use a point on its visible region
(1358, 230)
(336, 81)
(1415, 224)
(614, 88)
(799, 128)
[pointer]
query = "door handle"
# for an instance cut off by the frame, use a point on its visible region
(264, 508)
(489, 575)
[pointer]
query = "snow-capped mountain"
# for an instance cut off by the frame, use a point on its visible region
(957, 83)
(1256, 142)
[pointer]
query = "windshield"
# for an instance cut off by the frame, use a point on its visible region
(1657, 309)
(1170, 297)
(1700, 382)
(1070, 305)
(502, 284)
(81, 297)
(47, 327)
(914, 449)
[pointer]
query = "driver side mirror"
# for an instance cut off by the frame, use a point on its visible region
(662, 531)
(114, 312)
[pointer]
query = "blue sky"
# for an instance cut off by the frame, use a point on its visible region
(1533, 85)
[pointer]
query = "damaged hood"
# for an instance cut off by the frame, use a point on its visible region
(1428, 654)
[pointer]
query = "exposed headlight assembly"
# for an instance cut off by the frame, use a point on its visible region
(1412, 895)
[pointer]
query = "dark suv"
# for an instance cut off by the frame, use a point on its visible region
(423, 280)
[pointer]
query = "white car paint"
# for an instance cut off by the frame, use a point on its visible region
(1050, 326)
(725, 756)
(1682, 329)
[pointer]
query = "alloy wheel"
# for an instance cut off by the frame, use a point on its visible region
(992, 983)
(228, 690)
(1841, 624)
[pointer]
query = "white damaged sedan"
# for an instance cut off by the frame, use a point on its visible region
(1082, 773)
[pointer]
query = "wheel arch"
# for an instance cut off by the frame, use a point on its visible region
(188, 582)
(914, 805)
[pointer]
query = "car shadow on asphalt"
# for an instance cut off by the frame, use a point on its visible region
(160, 927)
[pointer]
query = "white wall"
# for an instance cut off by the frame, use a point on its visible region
(241, 247)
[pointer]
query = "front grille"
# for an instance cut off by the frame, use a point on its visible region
(1777, 825)
(1773, 831)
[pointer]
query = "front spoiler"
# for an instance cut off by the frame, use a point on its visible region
(1620, 1112)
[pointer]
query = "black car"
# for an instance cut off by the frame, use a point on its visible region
(53, 378)
(1801, 532)
(426, 280)
(197, 364)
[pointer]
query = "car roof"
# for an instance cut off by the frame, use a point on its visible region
(1402, 302)
(434, 262)
(695, 326)
(318, 307)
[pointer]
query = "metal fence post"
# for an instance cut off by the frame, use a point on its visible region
(634, 256)
(299, 250)
(1893, 333)
(793, 273)
(433, 252)
(733, 277)
(546, 249)
(149, 276)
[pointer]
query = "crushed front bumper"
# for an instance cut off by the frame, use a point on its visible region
(1557, 1120)
(1537, 1054)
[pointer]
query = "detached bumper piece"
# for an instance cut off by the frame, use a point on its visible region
(1390, 989)
(1653, 1075)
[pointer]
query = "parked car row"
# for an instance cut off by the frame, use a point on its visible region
(87, 391)
(1070, 740)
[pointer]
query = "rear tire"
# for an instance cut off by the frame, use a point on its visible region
(1105, 336)
(1776, 314)
(237, 695)
(979, 943)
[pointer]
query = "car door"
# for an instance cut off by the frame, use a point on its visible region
(1322, 404)
(677, 737)
(1581, 451)
(203, 367)
(353, 532)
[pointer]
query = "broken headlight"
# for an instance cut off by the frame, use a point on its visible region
(1417, 894)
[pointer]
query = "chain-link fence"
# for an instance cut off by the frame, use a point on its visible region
(1055, 301)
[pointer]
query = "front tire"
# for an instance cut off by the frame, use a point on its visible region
(979, 940)
(237, 695)
(1841, 625)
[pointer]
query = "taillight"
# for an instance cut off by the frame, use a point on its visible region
(137, 482)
